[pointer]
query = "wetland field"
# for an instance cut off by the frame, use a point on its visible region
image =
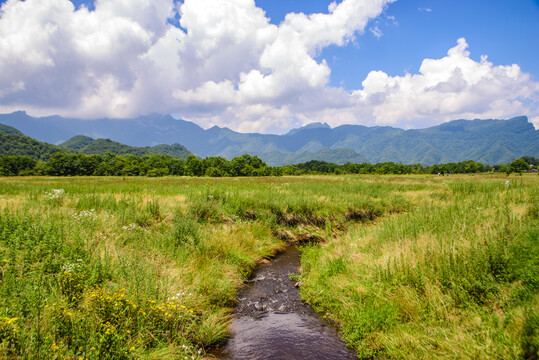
(404, 267)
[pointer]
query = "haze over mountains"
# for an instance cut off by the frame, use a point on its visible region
(485, 141)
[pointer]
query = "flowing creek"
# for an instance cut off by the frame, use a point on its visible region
(271, 321)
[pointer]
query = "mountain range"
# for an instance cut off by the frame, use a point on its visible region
(14, 142)
(486, 141)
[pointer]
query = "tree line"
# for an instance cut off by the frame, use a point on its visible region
(66, 164)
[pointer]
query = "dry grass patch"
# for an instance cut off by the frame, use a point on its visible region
(12, 201)
(173, 201)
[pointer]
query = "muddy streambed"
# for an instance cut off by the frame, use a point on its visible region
(271, 321)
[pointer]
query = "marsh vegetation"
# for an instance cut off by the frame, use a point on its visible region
(407, 266)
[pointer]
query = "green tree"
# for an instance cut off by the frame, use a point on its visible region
(17, 165)
(134, 166)
(530, 160)
(177, 167)
(158, 161)
(219, 163)
(193, 166)
(213, 172)
(111, 165)
(61, 164)
(245, 165)
(519, 165)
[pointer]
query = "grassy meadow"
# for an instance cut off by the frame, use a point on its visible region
(148, 268)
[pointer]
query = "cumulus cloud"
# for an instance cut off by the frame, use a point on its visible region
(222, 62)
(454, 86)
(126, 58)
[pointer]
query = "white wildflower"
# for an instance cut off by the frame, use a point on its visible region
(56, 193)
(130, 227)
(69, 267)
(85, 214)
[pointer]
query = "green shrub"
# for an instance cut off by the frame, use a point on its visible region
(205, 210)
(186, 231)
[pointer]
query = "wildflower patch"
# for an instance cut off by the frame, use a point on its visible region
(9, 331)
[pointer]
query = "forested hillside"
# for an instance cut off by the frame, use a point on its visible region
(14, 144)
(82, 156)
(9, 130)
(486, 141)
(89, 146)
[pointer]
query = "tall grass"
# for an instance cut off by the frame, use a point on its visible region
(454, 278)
(112, 268)
(411, 266)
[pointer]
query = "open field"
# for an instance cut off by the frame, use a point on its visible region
(408, 266)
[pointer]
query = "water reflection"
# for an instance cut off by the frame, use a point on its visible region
(272, 322)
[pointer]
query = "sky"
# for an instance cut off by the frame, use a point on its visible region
(272, 65)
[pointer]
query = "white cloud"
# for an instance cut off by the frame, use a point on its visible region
(376, 32)
(535, 121)
(228, 65)
(67, 58)
(452, 87)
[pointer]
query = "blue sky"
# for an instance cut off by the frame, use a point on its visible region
(507, 31)
(245, 65)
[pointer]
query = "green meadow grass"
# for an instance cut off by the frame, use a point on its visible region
(148, 268)
(455, 278)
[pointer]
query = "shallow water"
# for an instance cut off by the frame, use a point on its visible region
(271, 321)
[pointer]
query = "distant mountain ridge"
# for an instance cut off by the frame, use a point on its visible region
(88, 146)
(14, 142)
(9, 130)
(485, 141)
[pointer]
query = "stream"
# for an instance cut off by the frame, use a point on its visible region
(271, 321)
